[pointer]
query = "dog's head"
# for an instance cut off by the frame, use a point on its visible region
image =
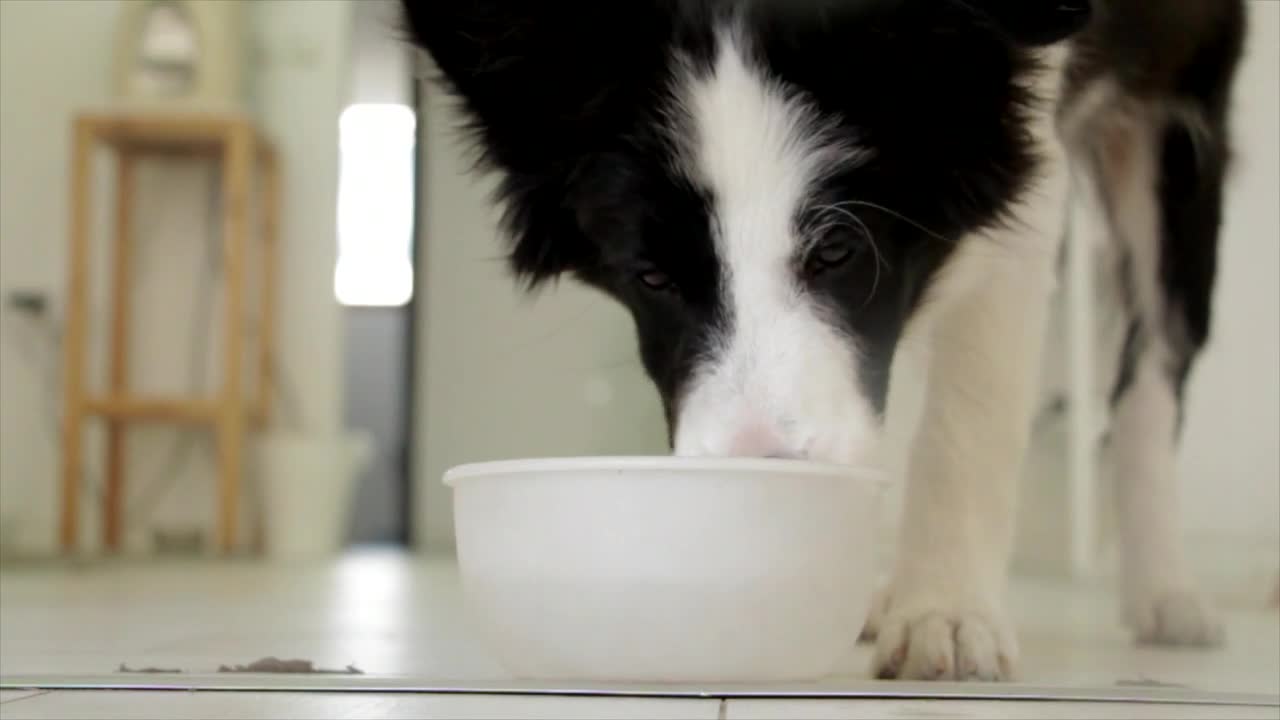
(769, 187)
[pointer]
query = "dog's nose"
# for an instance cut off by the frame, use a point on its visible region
(760, 441)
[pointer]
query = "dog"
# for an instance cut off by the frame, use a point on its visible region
(784, 193)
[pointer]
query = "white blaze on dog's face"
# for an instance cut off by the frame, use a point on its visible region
(770, 188)
(781, 378)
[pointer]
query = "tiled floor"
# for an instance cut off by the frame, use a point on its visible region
(238, 705)
(400, 621)
(214, 706)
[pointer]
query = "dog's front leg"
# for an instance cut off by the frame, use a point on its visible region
(945, 616)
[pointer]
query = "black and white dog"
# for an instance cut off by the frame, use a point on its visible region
(782, 192)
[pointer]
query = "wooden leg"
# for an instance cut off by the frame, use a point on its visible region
(270, 260)
(73, 345)
(237, 179)
(113, 502)
(270, 229)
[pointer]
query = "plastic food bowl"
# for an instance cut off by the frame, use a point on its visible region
(667, 569)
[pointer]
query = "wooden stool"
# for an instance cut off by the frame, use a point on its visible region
(233, 141)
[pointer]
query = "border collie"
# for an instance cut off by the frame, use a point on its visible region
(782, 192)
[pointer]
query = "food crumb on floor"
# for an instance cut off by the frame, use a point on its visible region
(147, 670)
(276, 665)
(264, 665)
(1147, 682)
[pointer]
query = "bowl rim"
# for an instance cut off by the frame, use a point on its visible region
(752, 466)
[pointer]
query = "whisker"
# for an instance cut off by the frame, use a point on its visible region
(889, 211)
(1006, 220)
(866, 232)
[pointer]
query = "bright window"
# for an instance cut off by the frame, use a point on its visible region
(375, 205)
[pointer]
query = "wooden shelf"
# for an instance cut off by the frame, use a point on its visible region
(172, 132)
(243, 153)
(158, 409)
(165, 410)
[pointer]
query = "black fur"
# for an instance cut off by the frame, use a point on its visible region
(1193, 170)
(567, 100)
(1130, 350)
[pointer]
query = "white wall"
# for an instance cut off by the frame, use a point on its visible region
(35, 112)
(376, 345)
(1230, 461)
(55, 61)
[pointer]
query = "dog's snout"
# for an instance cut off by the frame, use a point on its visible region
(759, 440)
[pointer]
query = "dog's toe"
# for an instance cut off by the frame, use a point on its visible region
(1179, 618)
(941, 646)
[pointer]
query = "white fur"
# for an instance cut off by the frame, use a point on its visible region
(944, 617)
(782, 379)
(1160, 603)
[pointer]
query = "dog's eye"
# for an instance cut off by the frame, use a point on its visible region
(832, 254)
(829, 254)
(656, 280)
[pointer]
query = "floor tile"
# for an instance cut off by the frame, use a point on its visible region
(985, 709)
(167, 705)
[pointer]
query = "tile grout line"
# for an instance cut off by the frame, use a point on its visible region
(33, 694)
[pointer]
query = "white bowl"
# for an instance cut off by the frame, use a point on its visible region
(666, 569)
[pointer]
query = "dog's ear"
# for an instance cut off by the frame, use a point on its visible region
(543, 85)
(536, 78)
(1033, 22)
(1026, 23)
(942, 90)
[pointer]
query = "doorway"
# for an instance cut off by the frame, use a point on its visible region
(374, 277)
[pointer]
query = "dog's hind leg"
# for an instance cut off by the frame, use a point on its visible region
(1144, 118)
(1165, 206)
(1156, 167)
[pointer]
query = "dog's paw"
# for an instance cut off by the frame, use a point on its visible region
(1180, 618)
(879, 607)
(942, 645)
